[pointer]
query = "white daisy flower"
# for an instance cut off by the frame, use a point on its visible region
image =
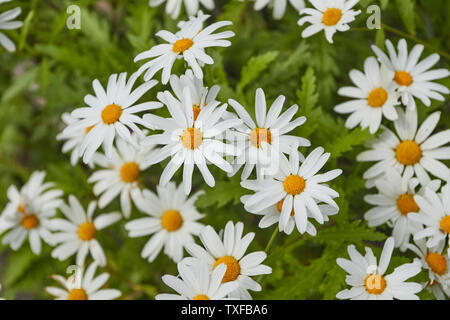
(271, 215)
(410, 151)
(437, 264)
(330, 16)
(434, 215)
(198, 282)
(77, 234)
(261, 143)
(194, 19)
(172, 222)
(83, 286)
(368, 281)
(6, 23)
(173, 7)
(110, 112)
(279, 6)
(393, 203)
(230, 250)
(28, 212)
(374, 96)
(120, 174)
(190, 142)
(296, 189)
(74, 140)
(414, 78)
(188, 43)
(200, 95)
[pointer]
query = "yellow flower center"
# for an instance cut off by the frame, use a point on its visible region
(406, 204)
(201, 297)
(377, 97)
(77, 294)
(403, 78)
(233, 268)
(408, 152)
(171, 220)
(437, 263)
(331, 17)
(86, 131)
(111, 113)
(196, 110)
(260, 135)
(182, 45)
(280, 206)
(375, 284)
(87, 231)
(294, 184)
(29, 221)
(191, 138)
(129, 172)
(445, 224)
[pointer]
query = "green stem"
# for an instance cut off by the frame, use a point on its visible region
(272, 238)
(414, 38)
(269, 244)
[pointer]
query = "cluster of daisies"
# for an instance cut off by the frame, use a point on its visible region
(119, 137)
(118, 144)
(407, 174)
(328, 16)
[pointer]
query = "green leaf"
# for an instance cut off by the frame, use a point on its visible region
(254, 67)
(20, 84)
(223, 192)
(307, 95)
(346, 141)
(406, 10)
(380, 38)
(354, 232)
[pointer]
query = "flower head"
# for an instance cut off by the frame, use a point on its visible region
(172, 222)
(368, 280)
(198, 282)
(230, 250)
(188, 43)
(330, 16)
(28, 212)
(83, 286)
(77, 233)
(413, 79)
(109, 113)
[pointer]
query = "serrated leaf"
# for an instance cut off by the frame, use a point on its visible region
(224, 192)
(254, 67)
(354, 232)
(307, 95)
(346, 141)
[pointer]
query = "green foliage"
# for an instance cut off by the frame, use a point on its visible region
(53, 70)
(406, 10)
